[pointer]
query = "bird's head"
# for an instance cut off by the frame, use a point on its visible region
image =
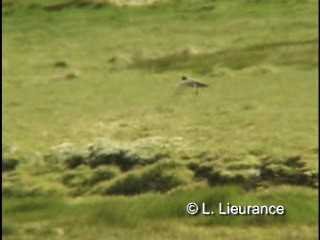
(184, 78)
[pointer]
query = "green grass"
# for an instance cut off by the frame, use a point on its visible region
(131, 214)
(83, 73)
(40, 112)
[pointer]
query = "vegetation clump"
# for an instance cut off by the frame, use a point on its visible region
(158, 178)
(290, 170)
(125, 155)
(9, 164)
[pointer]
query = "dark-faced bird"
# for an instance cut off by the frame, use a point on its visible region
(190, 83)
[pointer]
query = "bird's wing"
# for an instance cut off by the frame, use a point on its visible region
(201, 84)
(197, 83)
(179, 89)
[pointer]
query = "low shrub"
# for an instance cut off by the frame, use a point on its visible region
(9, 164)
(159, 178)
(78, 177)
(103, 173)
(74, 161)
(120, 157)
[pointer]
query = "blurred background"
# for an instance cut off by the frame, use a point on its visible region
(97, 144)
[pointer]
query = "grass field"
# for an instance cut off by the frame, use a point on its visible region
(96, 144)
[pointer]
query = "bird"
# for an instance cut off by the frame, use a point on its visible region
(191, 83)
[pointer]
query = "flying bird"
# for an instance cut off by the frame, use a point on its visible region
(191, 83)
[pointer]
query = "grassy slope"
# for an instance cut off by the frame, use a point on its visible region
(243, 110)
(163, 216)
(259, 59)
